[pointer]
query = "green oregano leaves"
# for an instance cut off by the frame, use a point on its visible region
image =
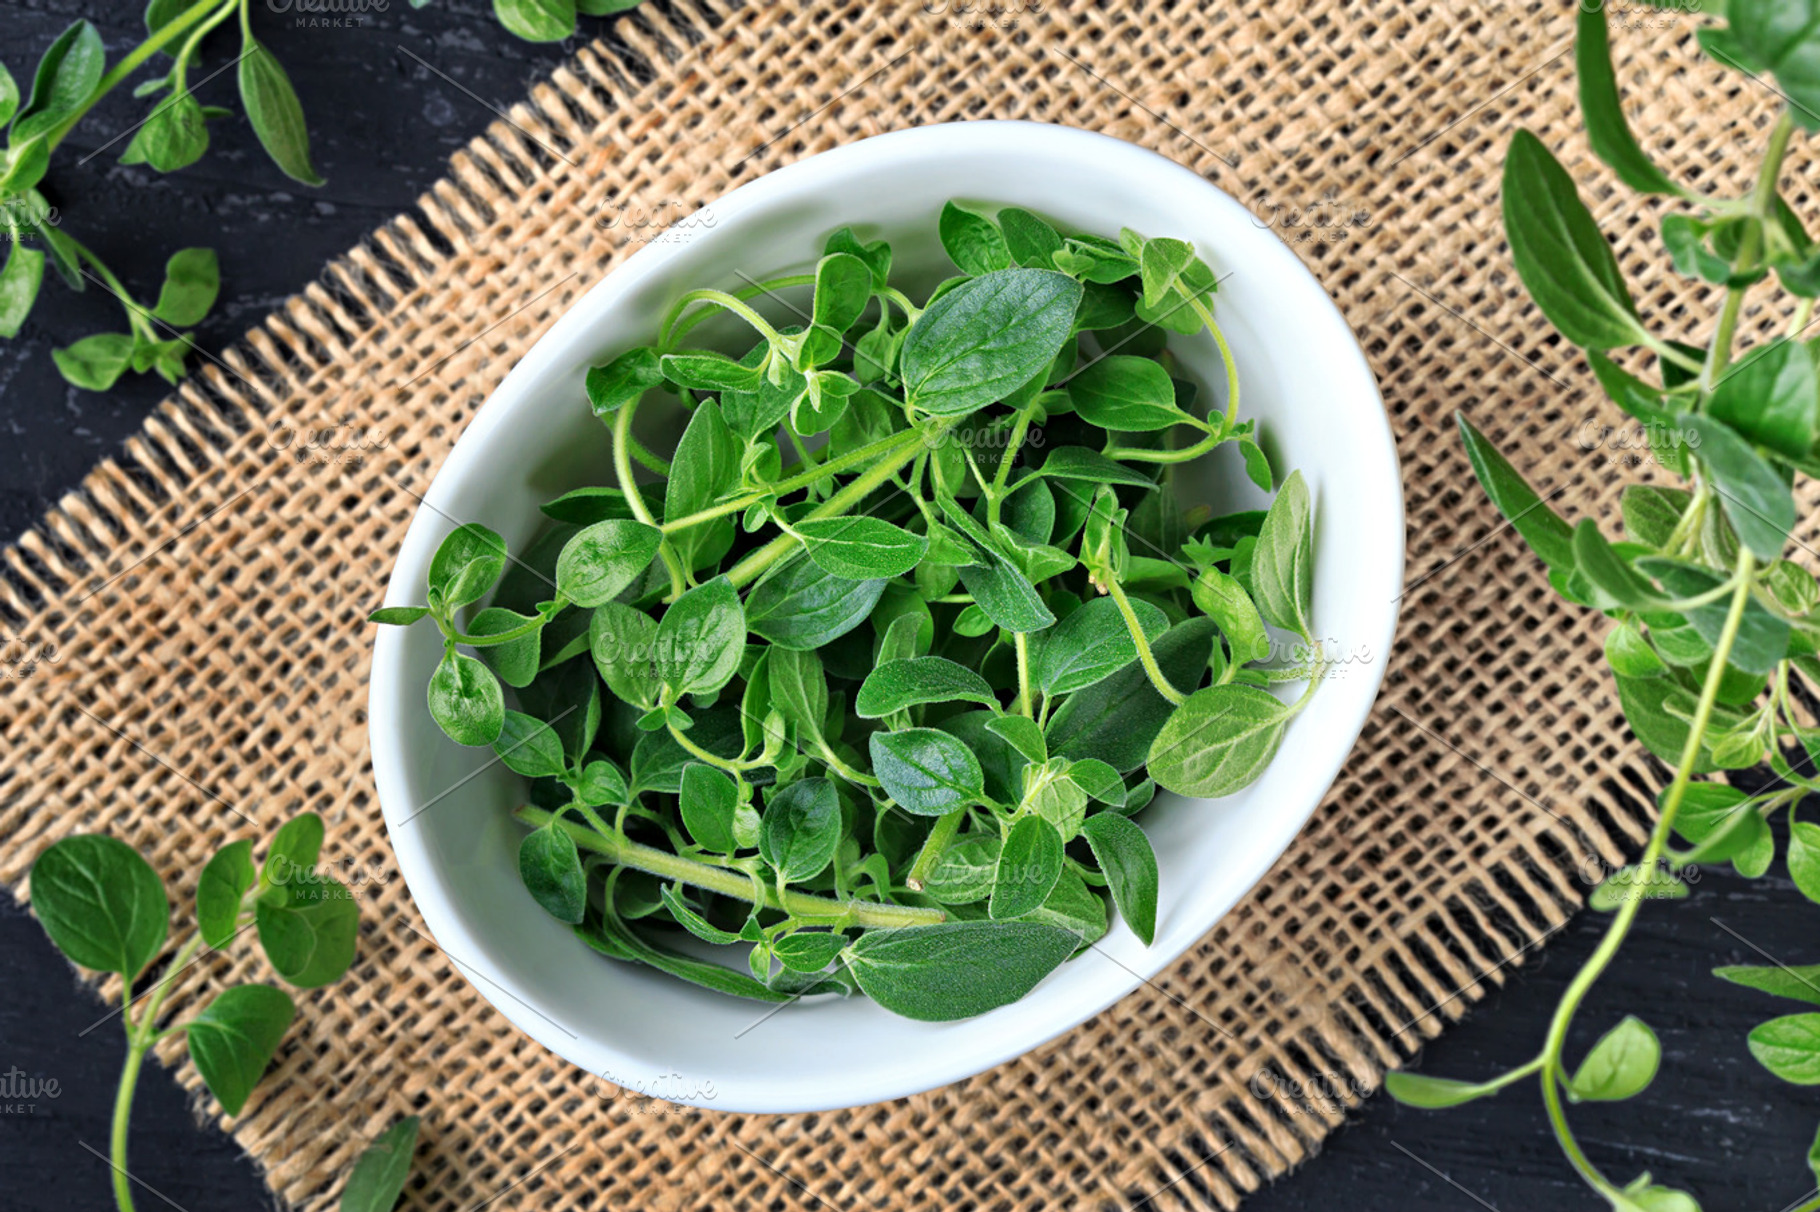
(870, 687)
(105, 908)
(1711, 630)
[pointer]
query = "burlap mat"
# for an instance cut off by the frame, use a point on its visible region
(198, 603)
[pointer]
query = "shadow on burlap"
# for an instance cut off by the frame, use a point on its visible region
(206, 591)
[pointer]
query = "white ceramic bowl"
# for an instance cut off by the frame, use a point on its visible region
(1302, 376)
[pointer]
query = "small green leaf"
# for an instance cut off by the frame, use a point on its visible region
(601, 560)
(859, 548)
(1022, 734)
(799, 689)
(623, 381)
(1433, 1093)
(275, 113)
(801, 828)
(1029, 864)
(1804, 858)
(537, 20)
(64, 83)
(19, 283)
(1799, 982)
(1219, 741)
(1080, 463)
(804, 606)
(550, 866)
(1621, 1065)
(843, 287)
(1222, 599)
(192, 279)
(95, 363)
(1753, 495)
(1125, 393)
(467, 564)
(705, 370)
(529, 746)
(220, 888)
(174, 136)
(379, 1174)
(623, 643)
(709, 801)
(986, 338)
(465, 700)
(515, 662)
(309, 929)
(1631, 655)
(1541, 527)
(235, 1037)
(398, 616)
(806, 951)
(926, 771)
(702, 637)
(1282, 565)
(1772, 398)
(101, 903)
(1602, 110)
(1559, 253)
(955, 970)
(966, 871)
(973, 242)
(901, 684)
(1789, 1047)
(1126, 859)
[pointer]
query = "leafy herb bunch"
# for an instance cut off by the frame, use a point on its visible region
(72, 77)
(881, 699)
(1712, 627)
(105, 908)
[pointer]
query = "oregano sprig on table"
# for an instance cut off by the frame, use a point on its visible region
(71, 77)
(105, 908)
(1711, 625)
(851, 682)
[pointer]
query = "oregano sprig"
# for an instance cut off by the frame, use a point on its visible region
(870, 679)
(1710, 623)
(106, 909)
(72, 77)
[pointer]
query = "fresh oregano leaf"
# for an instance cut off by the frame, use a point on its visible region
(926, 771)
(100, 902)
(235, 1037)
(955, 970)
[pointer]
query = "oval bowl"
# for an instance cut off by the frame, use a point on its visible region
(1302, 377)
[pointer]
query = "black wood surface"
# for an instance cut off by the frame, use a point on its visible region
(382, 124)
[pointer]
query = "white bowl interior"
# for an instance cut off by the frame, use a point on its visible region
(446, 808)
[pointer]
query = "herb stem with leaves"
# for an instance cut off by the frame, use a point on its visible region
(1710, 622)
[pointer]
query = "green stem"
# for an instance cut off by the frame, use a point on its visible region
(736, 884)
(1762, 202)
(1145, 656)
(167, 33)
(1553, 1073)
(995, 498)
(1139, 454)
(884, 448)
(940, 834)
(140, 1037)
(857, 490)
(671, 331)
(721, 299)
(1022, 643)
(635, 500)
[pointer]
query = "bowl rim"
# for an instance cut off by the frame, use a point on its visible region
(431, 894)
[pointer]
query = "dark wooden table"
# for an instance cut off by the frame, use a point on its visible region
(382, 124)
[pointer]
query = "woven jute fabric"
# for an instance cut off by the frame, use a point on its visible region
(197, 605)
